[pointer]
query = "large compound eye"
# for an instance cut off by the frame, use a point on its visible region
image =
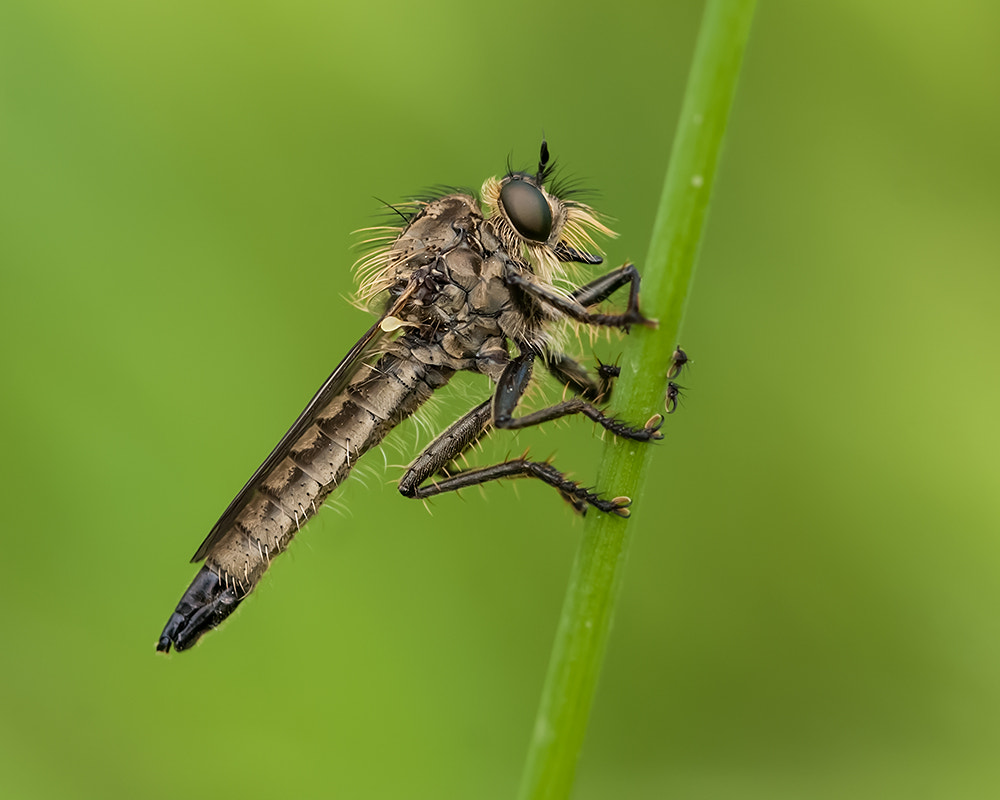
(527, 209)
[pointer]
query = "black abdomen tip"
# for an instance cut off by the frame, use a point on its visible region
(205, 604)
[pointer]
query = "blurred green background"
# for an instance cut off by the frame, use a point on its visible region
(811, 604)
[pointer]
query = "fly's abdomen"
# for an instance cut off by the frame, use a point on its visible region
(286, 496)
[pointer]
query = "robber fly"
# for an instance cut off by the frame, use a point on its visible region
(462, 283)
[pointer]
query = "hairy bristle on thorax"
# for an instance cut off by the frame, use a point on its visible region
(375, 269)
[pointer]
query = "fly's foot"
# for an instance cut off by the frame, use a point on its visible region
(647, 433)
(635, 317)
(620, 506)
(673, 395)
(677, 362)
(580, 497)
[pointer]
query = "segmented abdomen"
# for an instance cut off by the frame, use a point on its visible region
(377, 399)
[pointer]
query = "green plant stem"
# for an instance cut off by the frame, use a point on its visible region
(596, 577)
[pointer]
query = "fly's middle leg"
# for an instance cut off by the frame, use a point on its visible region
(574, 376)
(513, 383)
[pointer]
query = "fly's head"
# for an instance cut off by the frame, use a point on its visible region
(537, 226)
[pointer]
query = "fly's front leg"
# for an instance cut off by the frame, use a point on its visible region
(606, 285)
(459, 436)
(591, 294)
(513, 383)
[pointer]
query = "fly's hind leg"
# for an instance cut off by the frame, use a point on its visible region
(459, 436)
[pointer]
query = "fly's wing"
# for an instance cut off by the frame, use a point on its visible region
(334, 385)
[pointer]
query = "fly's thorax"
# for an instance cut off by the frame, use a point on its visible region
(447, 286)
(439, 226)
(401, 254)
(462, 313)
